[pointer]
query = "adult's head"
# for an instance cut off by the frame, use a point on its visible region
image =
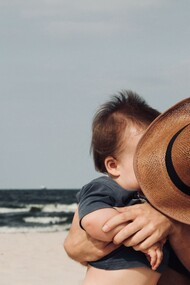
(162, 162)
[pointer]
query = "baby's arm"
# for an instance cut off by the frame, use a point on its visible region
(93, 222)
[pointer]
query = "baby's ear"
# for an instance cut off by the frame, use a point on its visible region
(111, 165)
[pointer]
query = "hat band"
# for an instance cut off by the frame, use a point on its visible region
(170, 167)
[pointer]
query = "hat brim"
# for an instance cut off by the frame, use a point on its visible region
(150, 167)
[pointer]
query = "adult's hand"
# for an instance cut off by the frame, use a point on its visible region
(144, 226)
(81, 247)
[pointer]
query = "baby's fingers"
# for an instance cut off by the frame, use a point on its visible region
(152, 257)
(157, 260)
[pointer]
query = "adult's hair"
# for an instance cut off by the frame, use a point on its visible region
(110, 121)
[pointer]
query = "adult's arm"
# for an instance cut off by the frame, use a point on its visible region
(147, 226)
(180, 241)
(81, 247)
(144, 226)
(172, 277)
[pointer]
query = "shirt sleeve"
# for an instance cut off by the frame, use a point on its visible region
(94, 196)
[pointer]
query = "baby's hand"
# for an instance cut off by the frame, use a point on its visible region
(155, 254)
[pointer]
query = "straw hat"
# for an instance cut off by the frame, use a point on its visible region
(162, 162)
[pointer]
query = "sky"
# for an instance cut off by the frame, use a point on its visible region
(61, 59)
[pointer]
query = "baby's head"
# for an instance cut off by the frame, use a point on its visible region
(116, 129)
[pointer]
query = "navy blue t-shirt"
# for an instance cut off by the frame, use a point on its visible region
(104, 192)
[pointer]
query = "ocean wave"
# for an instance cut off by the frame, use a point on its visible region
(53, 228)
(44, 220)
(36, 211)
(14, 210)
(49, 208)
(60, 208)
(57, 208)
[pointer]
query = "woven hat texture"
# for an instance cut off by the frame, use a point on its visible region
(162, 162)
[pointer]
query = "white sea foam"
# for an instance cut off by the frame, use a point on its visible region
(13, 210)
(53, 228)
(59, 208)
(44, 208)
(44, 220)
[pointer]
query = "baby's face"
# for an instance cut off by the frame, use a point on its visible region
(127, 177)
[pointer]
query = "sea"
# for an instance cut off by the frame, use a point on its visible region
(36, 210)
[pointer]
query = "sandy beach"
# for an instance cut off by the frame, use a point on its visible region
(37, 259)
